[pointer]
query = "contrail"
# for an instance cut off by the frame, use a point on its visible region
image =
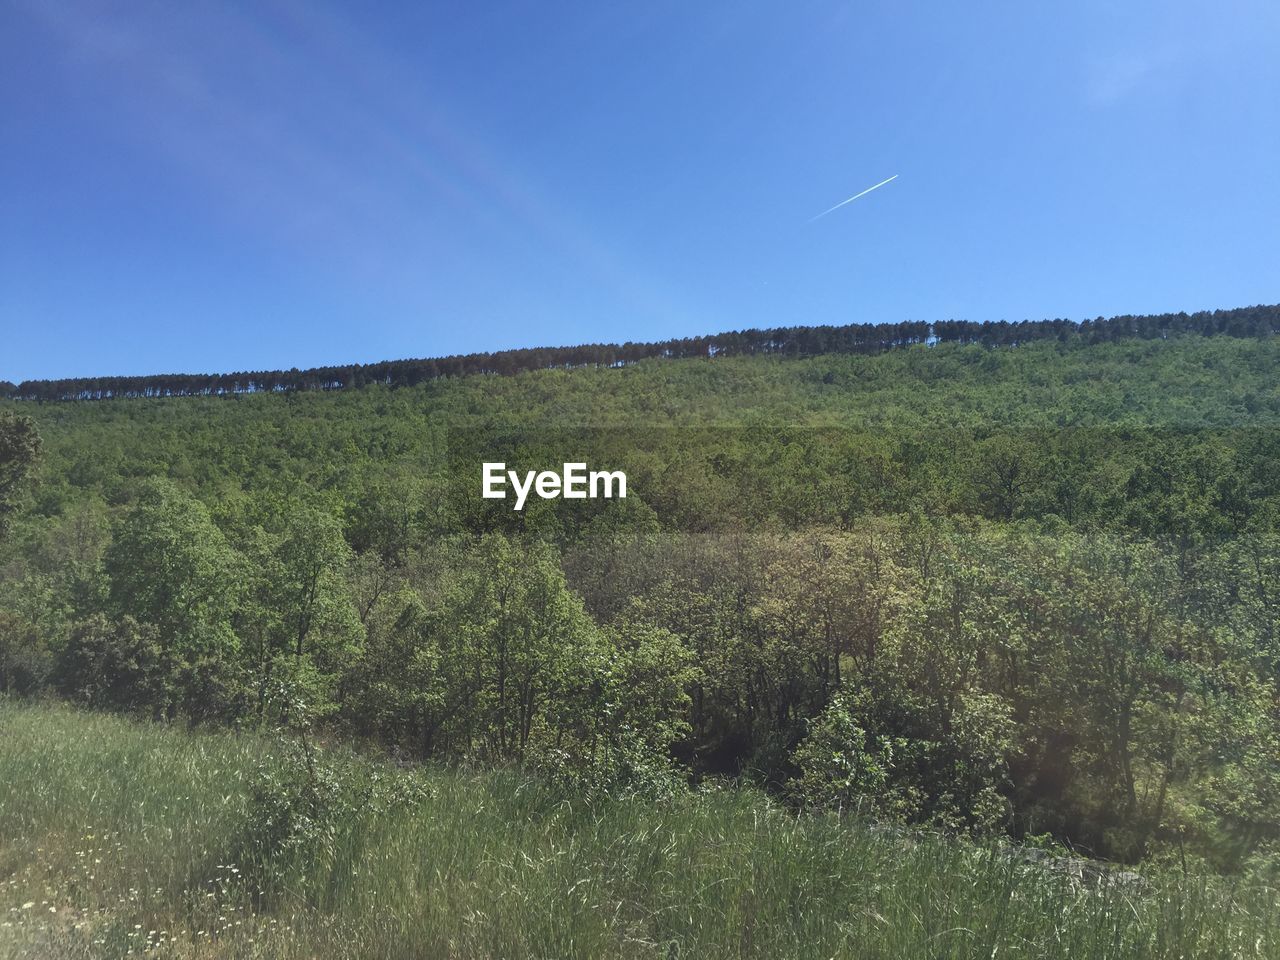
(853, 198)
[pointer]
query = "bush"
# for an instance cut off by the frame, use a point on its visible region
(117, 665)
(952, 780)
(625, 765)
(297, 803)
(303, 804)
(842, 768)
(24, 657)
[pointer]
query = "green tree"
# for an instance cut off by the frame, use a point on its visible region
(296, 619)
(520, 639)
(170, 567)
(19, 454)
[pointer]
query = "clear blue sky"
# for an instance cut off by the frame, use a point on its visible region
(211, 187)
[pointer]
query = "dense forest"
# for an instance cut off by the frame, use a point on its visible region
(865, 338)
(1030, 591)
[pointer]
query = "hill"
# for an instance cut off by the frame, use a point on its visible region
(1024, 592)
(1091, 430)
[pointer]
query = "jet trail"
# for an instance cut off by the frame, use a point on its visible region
(853, 198)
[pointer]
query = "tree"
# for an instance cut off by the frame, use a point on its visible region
(19, 455)
(398, 689)
(170, 567)
(950, 776)
(24, 657)
(296, 619)
(842, 767)
(512, 632)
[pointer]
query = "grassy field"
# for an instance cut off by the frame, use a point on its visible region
(120, 839)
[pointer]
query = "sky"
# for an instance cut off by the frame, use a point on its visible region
(212, 187)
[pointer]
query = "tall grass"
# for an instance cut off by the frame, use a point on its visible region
(117, 839)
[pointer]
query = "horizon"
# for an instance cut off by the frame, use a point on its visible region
(713, 351)
(230, 188)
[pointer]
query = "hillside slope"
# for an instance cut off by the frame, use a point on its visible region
(994, 591)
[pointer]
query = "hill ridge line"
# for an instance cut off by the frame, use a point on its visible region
(795, 341)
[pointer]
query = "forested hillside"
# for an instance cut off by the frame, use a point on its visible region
(1029, 589)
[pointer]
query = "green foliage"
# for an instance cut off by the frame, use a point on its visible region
(842, 769)
(303, 808)
(398, 689)
(296, 622)
(118, 665)
(621, 766)
(1033, 588)
(171, 567)
(626, 725)
(19, 453)
(954, 783)
(481, 864)
(25, 660)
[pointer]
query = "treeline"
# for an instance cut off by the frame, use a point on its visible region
(1256, 321)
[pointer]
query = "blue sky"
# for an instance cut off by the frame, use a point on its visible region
(277, 183)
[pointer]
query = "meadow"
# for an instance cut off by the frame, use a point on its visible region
(125, 839)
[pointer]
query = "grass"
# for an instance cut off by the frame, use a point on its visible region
(118, 839)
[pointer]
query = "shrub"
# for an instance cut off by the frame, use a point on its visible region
(624, 765)
(952, 780)
(305, 803)
(24, 657)
(117, 665)
(841, 767)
